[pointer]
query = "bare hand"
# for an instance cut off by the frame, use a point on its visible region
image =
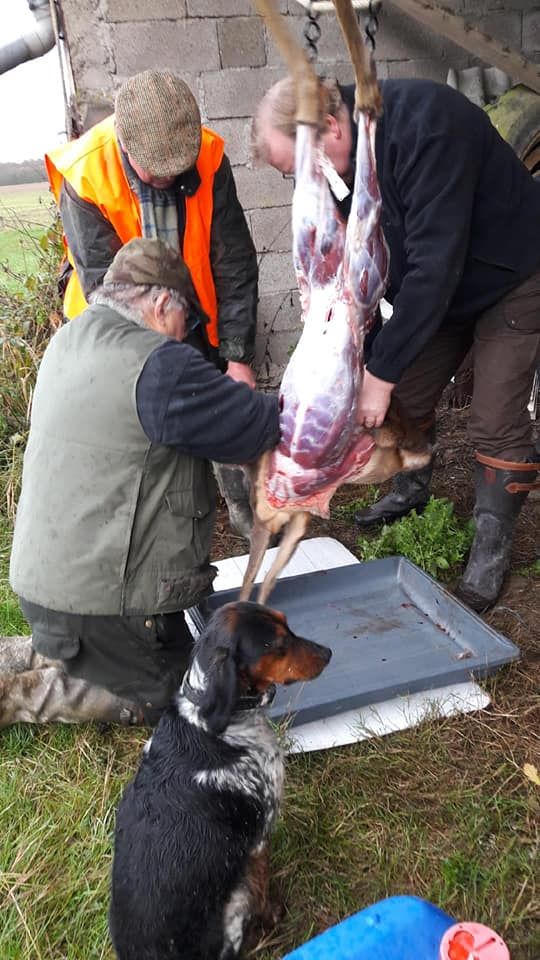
(241, 372)
(374, 401)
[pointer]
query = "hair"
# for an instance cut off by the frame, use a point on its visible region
(131, 300)
(277, 111)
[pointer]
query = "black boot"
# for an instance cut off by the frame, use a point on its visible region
(410, 491)
(501, 490)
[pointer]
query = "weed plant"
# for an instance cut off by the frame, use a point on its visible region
(436, 540)
(30, 309)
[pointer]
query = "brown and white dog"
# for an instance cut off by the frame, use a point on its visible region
(190, 867)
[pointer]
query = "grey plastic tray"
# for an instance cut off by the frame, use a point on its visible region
(392, 628)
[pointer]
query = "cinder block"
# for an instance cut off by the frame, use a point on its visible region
(241, 42)
(237, 136)
(235, 93)
(400, 37)
(279, 312)
(176, 46)
(503, 25)
(263, 187)
(272, 354)
(271, 229)
(428, 69)
(118, 10)
(276, 273)
(225, 8)
(531, 31)
(331, 46)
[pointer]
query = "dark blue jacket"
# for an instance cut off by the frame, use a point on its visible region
(461, 215)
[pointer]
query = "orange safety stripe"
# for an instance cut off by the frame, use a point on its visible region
(93, 166)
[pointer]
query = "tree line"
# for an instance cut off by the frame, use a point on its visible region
(29, 171)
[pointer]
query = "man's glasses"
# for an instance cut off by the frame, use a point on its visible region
(288, 176)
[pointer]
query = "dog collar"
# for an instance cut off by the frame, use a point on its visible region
(248, 701)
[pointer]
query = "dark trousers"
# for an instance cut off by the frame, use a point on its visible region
(140, 659)
(506, 353)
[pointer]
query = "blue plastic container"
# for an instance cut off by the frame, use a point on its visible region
(400, 928)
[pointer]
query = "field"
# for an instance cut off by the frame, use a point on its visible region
(449, 811)
(26, 209)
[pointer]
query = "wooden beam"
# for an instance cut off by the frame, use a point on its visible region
(460, 31)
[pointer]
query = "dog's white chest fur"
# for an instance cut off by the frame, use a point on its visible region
(259, 772)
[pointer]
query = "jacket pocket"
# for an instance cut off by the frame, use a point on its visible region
(188, 503)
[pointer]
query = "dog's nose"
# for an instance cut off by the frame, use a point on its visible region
(324, 653)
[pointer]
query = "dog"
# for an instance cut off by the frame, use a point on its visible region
(191, 849)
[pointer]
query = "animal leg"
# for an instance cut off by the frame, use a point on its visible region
(259, 884)
(259, 540)
(294, 531)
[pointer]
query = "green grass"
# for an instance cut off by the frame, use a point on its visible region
(25, 210)
(28, 203)
(443, 811)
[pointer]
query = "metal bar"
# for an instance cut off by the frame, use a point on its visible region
(326, 6)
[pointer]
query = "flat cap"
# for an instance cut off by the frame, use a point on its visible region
(143, 262)
(158, 122)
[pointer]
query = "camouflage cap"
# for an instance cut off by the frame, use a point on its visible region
(142, 262)
(158, 122)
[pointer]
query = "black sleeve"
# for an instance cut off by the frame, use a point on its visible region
(438, 157)
(184, 402)
(92, 240)
(235, 270)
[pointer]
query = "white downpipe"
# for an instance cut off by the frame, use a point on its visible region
(37, 41)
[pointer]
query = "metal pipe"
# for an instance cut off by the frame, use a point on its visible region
(37, 41)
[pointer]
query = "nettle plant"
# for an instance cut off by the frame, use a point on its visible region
(436, 540)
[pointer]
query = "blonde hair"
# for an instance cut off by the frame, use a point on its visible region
(277, 111)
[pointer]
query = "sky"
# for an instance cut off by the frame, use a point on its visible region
(31, 101)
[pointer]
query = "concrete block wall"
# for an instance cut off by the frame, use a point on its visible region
(222, 50)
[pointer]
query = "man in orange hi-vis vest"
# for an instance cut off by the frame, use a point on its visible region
(151, 170)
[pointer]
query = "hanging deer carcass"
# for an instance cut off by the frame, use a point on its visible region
(341, 271)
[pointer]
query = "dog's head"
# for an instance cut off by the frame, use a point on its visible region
(245, 648)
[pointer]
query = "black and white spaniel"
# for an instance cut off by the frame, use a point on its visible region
(191, 851)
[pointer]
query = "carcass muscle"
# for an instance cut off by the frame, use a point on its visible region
(341, 272)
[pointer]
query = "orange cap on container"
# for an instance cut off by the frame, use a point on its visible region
(472, 941)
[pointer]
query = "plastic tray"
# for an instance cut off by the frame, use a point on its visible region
(392, 628)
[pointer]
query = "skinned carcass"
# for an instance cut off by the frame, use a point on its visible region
(341, 271)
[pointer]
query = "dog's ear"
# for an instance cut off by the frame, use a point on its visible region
(220, 694)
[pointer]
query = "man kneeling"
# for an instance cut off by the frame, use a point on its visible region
(117, 508)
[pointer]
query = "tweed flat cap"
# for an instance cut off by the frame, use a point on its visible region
(153, 263)
(158, 122)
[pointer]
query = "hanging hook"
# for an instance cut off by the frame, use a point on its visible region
(312, 33)
(372, 24)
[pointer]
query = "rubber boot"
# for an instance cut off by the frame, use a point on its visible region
(51, 695)
(410, 491)
(234, 488)
(17, 655)
(501, 490)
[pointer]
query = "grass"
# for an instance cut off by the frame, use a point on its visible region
(444, 811)
(25, 210)
(429, 811)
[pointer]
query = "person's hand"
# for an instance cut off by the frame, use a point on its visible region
(241, 372)
(374, 401)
